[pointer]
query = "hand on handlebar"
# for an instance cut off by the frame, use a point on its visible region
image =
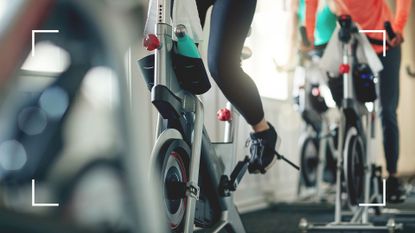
(306, 48)
(397, 40)
(306, 44)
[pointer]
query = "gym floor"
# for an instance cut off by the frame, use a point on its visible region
(284, 218)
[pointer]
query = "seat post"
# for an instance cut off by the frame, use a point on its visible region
(229, 127)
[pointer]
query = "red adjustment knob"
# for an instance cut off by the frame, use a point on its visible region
(151, 42)
(315, 91)
(344, 68)
(224, 114)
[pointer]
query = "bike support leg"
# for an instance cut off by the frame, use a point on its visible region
(193, 188)
(338, 204)
(322, 158)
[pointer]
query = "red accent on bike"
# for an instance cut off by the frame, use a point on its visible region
(315, 91)
(344, 68)
(224, 114)
(151, 42)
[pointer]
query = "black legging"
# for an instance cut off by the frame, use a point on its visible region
(229, 26)
(389, 99)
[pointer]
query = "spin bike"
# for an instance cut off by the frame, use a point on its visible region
(357, 176)
(196, 176)
(317, 146)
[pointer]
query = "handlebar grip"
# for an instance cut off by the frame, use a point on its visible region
(304, 39)
(389, 30)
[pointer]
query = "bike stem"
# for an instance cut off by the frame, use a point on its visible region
(164, 33)
(229, 126)
(161, 58)
(164, 75)
(347, 94)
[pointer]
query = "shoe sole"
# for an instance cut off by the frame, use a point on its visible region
(396, 199)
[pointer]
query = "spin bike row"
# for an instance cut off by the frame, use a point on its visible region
(338, 155)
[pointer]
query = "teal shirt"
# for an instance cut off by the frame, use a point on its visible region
(325, 23)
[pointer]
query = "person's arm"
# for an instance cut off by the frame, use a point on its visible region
(310, 18)
(403, 7)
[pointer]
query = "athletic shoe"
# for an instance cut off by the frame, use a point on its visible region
(395, 192)
(263, 150)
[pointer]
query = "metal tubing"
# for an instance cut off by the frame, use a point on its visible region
(163, 31)
(229, 129)
(164, 11)
(338, 204)
(194, 165)
(368, 168)
(322, 157)
(162, 60)
(347, 80)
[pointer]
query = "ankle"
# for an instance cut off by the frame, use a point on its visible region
(392, 174)
(261, 126)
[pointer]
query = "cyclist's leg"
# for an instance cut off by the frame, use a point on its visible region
(230, 23)
(389, 98)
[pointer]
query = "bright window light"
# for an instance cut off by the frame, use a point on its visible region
(48, 58)
(270, 45)
(100, 86)
(3, 8)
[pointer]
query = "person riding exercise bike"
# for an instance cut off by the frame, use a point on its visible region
(229, 26)
(389, 77)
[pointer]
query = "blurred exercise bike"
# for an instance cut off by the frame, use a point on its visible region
(34, 129)
(358, 177)
(317, 145)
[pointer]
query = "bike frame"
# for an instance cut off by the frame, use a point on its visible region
(326, 142)
(349, 103)
(201, 147)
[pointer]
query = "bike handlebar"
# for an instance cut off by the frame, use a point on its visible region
(389, 30)
(304, 39)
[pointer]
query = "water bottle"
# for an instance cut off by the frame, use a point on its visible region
(185, 45)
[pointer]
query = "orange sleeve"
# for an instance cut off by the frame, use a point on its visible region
(310, 17)
(403, 7)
